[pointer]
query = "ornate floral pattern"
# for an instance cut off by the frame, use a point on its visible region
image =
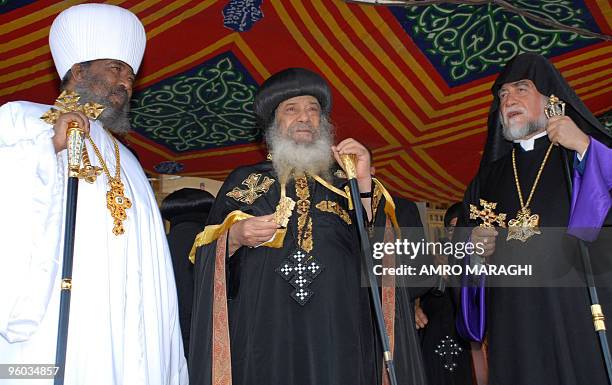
(466, 42)
(209, 106)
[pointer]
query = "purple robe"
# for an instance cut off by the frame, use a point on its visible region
(591, 199)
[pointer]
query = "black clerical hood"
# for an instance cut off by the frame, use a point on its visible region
(287, 84)
(548, 80)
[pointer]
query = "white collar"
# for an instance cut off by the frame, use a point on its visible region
(527, 144)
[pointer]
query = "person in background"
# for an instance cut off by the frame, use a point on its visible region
(186, 210)
(445, 354)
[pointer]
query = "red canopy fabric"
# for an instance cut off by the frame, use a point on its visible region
(411, 83)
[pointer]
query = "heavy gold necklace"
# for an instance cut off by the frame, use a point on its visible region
(525, 225)
(116, 201)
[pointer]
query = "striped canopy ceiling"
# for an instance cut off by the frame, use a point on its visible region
(412, 83)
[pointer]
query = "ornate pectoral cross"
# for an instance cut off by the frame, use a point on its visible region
(554, 107)
(117, 203)
(487, 215)
(524, 226)
(68, 101)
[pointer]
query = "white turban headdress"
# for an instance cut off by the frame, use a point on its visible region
(96, 31)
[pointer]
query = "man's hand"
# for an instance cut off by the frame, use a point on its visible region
(61, 127)
(251, 232)
(486, 236)
(563, 131)
(351, 146)
(420, 317)
(362, 167)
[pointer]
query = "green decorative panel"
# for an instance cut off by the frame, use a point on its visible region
(467, 42)
(209, 106)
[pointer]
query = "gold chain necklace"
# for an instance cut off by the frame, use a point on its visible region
(116, 201)
(525, 225)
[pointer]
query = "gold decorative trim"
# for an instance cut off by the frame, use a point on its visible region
(212, 232)
(598, 318)
(254, 189)
(389, 205)
(349, 161)
(277, 240)
(335, 208)
(284, 208)
(345, 194)
(329, 186)
(66, 284)
(347, 191)
(376, 197)
(303, 208)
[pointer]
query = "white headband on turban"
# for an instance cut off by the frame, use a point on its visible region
(96, 31)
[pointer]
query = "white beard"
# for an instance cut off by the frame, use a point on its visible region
(515, 132)
(314, 158)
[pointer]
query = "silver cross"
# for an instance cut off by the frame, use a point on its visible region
(313, 268)
(286, 270)
(302, 294)
(299, 256)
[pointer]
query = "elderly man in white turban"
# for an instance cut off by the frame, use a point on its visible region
(124, 324)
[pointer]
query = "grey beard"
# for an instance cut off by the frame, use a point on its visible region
(523, 131)
(112, 118)
(313, 158)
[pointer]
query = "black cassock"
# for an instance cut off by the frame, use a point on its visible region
(331, 339)
(446, 355)
(183, 229)
(541, 334)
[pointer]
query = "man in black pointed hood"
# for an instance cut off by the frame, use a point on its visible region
(547, 80)
(539, 328)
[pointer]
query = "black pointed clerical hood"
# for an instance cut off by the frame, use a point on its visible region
(287, 84)
(548, 80)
